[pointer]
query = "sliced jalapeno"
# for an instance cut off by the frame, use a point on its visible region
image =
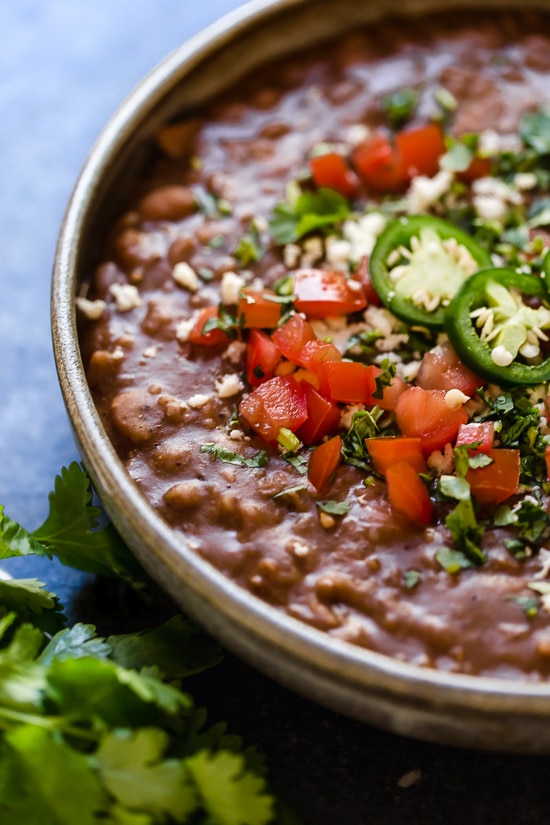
(418, 265)
(496, 324)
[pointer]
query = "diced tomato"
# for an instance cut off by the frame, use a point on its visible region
(262, 357)
(408, 494)
(424, 414)
(478, 168)
(420, 149)
(258, 309)
(323, 461)
(547, 461)
(348, 381)
(323, 417)
(321, 293)
(215, 337)
(292, 336)
(390, 394)
(379, 165)
(279, 402)
(388, 450)
(481, 434)
(441, 369)
(332, 170)
(362, 274)
(497, 481)
(313, 356)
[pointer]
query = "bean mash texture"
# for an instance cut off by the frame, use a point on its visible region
(334, 457)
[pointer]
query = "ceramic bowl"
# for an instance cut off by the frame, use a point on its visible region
(437, 706)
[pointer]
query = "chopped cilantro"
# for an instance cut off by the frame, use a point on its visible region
(224, 321)
(250, 249)
(452, 560)
(458, 157)
(334, 508)
(400, 106)
(534, 129)
(297, 460)
(384, 378)
(227, 457)
(529, 605)
(216, 241)
(363, 425)
(288, 491)
(518, 422)
(412, 578)
(308, 212)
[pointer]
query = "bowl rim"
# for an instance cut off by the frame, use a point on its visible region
(234, 610)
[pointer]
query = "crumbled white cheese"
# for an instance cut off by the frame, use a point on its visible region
(424, 192)
(234, 352)
(92, 310)
(150, 352)
(291, 255)
(230, 288)
(357, 133)
(524, 181)
(491, 143)
(199, 400)
(492, 197)
(185, 276)
(312, 252)
(126, 296)
(391, 342)
(185, 326)
(228, 385)
(236, 435)
(362, 234)
(381, 319)
(338, 251)
(455, 399)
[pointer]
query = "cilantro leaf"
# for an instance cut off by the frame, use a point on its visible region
(74, 643)
(72, 533)
(32, 603)
(132, 767)
(308, 211)
(231, 794)
(178, 648)
(452, 560)
(363, 425)
(534, 129)
(228, 457)
(334, 508)
(466, 531)
(16, 541)
(45, 766)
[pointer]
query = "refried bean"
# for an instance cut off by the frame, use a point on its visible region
(365, 573)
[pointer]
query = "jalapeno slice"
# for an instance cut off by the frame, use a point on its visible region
(497, 325)
(418, 265)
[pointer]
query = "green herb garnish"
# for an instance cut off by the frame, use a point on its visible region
(260, 459)
(307, 212)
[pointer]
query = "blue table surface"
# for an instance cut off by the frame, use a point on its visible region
(65, 66)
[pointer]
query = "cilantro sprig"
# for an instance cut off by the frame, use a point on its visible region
(96, 729)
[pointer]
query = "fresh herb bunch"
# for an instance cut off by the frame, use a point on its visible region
(100, 730)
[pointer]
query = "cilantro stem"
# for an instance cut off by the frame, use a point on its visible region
(9, 718)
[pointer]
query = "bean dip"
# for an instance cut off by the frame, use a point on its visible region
(248, 203)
